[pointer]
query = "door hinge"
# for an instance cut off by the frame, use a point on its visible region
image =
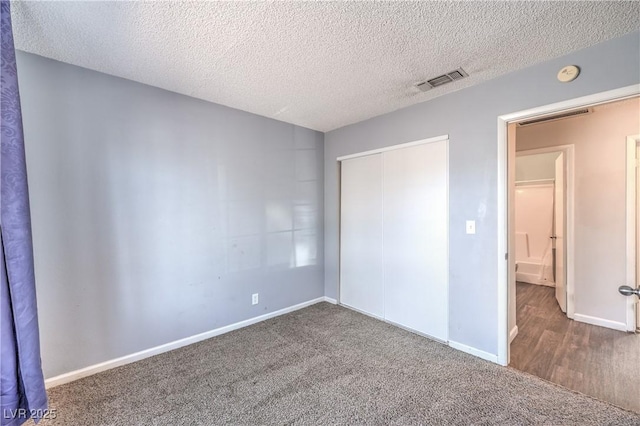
(506, 256)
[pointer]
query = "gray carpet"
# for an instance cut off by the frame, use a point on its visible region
(322, 365)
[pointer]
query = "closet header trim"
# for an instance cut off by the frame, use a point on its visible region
(392, 147)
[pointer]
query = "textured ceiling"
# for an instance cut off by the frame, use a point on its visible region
(321, 65)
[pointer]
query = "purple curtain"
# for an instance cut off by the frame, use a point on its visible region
(22, 390)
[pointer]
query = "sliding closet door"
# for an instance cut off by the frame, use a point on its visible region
(416, 238)
(361, 276)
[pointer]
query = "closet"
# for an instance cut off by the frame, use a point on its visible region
(394, 225)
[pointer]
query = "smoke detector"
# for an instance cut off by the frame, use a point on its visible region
(443, 79)
(568, 73)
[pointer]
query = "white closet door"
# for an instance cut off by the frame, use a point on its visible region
(361, 276)
(415, 236)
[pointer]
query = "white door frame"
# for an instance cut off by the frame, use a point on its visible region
(569, 159)
(632, 197)
(502, 181)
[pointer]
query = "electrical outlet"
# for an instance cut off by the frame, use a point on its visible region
(254, 299)
(471, 227)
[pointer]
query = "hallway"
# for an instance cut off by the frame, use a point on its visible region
(597, 361)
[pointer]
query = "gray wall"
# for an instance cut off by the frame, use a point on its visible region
(156, 216)
(469, 117)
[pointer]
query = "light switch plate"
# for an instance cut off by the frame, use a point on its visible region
(471, 227)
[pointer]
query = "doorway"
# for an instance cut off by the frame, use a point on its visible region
(543, 203)
(592, 349)
(505, 266)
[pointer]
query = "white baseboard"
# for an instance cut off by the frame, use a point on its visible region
(330, 300)
(473, 351)
(600, 321)
(533, 279)
(137, 356)
(513, 333)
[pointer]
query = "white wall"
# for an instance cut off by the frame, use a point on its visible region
(536, 166)
(600, 179)
(534, 214)
(534, 218)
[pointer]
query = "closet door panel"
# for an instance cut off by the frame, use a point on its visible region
(361, 275)
(415, 238)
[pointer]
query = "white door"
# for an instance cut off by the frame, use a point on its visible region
(415, 224)
(632, 281)
(361, 275)
(559, 233)
(634, 305)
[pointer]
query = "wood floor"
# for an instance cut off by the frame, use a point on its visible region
(596, 361)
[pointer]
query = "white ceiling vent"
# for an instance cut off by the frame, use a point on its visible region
(555, 117)
(442, 79)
